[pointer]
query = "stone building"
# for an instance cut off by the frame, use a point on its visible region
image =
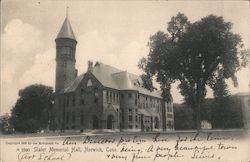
(104, 97)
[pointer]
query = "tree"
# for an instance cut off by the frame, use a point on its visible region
(227, 112)
(196, 54)
(183, 117)
(5, 124)
(32, 109)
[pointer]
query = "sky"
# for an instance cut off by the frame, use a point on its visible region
(112, 32)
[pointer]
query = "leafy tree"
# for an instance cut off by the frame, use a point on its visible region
(32, 109)
(147, 82)
(227, 113)
(183, 117)
(222, 114)
(5, 124)
(197, 55)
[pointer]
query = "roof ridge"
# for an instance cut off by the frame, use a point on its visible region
(119, 72)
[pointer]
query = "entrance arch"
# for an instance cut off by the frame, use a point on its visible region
(110, 122)
(95, 122)
(157, 123)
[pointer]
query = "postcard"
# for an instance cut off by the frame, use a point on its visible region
(135, 81)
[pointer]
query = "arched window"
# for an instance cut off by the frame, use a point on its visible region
(107, 96)
(113, 97)
(89, 83)
(110, 97)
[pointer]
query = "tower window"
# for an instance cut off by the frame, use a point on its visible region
(71, 52)
(64, 63)
(130, 95)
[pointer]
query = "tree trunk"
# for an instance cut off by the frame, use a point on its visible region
(198, 116)
(198, 106)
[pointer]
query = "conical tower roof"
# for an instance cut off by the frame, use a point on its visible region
(66, 30)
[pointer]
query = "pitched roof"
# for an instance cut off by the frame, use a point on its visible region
(72, 87)
(112, 77)
(66, 30)
(123, 80)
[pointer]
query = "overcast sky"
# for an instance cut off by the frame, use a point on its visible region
(113, 32)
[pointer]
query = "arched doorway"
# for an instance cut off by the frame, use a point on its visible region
(156, 123)
(95, 122)
(110, 122)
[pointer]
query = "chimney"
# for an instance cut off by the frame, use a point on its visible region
(90, 66)
(97, 64)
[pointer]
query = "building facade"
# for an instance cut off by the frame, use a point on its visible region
(104, 97)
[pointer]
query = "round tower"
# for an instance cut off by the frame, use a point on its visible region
(65, 57)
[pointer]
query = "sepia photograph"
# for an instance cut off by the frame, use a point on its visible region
(122, 80)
